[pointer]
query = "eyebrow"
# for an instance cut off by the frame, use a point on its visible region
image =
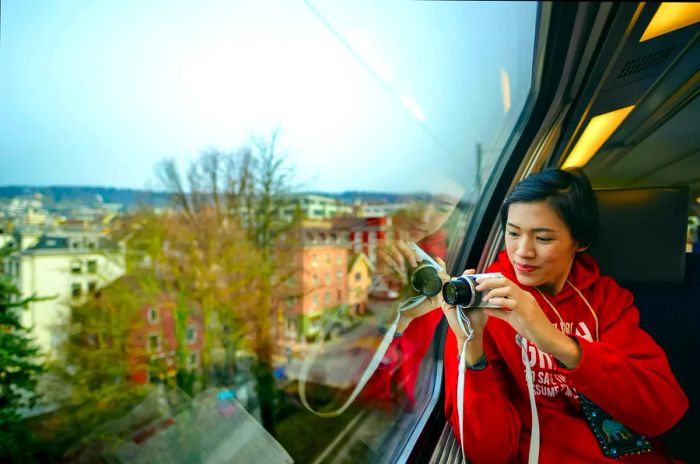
(537, 229)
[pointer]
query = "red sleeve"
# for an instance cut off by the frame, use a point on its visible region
(395, 378)
(626, 373)
(486, 404)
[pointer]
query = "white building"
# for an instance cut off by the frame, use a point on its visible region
(380, 210)
(319, 207)
(65, 267)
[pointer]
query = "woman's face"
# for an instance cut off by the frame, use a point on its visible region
(540, 246)
(424, 218)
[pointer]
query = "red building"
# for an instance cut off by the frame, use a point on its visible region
(365, 234)
(154, 340)
(316, 280)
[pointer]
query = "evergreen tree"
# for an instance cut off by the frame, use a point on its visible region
(19, 371)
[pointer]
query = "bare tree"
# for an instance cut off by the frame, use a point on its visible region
(235, 215)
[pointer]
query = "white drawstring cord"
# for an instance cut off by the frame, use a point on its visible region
(530, 380)
(462, 319)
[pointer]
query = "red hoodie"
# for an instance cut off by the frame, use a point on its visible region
(625, 373)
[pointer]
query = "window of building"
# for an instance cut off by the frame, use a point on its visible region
(339, 257)
(328, 258)
(290, 302)
(314, 324)
(153, 315)
(191, 334)
(314, 280)
(358, 276)
(291, 327)
(154, 342)
(314, 260)
(92, 266)
(314, 301)
(327, 298)
(76, 267)
(328, 278)
(291, 281)
(339, 276)
(92, 286)
(193, 360)
(76, 290)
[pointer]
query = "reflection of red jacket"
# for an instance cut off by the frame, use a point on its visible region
(394, 380)
(625, 373)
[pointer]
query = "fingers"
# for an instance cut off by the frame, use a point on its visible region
(441, 262)
(492, 282)
(503, 292)
(469, 272)
(407, 253)
(390, 260)
(504, 302)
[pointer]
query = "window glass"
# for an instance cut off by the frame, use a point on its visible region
(219, 155)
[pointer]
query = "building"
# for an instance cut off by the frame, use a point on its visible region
(365, 234)
(153, 342)
(379, 209)
(62, 268)
(360, 272)
(317, 207)
(317, 280)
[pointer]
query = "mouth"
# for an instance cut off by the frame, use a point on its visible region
(524, 268)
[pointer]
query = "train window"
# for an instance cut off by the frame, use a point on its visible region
(217, 155)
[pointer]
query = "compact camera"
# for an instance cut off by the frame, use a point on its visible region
(462, 291)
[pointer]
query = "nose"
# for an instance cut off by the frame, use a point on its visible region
(525, 248)
(425, 214)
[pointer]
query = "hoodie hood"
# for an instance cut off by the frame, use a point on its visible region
(583, 273)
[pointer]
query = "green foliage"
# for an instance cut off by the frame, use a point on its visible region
(20, 369)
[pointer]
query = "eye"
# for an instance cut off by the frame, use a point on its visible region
(510, 233)
(545, 239)
(445, 207)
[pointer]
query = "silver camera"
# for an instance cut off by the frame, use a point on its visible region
(462, 291)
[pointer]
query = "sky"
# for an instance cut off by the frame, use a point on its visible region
(368, 95)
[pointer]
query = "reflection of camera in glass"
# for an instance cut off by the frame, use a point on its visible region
(462, 291)
(425, 280)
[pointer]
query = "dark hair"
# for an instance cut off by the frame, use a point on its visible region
(570, 195)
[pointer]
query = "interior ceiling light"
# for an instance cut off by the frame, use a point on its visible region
(598, 130)
(671, 16)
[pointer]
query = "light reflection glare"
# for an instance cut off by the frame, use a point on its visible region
(413, 107)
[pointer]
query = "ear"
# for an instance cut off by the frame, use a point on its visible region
(581, 248)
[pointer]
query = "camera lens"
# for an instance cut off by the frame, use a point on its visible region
(425, 280)
(449, 293)
(458, 292)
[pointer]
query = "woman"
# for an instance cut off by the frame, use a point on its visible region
(581, 339)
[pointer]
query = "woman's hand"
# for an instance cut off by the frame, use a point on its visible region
(477, 319)
(521, 310)
(398, 258)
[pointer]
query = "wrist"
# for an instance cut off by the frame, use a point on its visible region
(567, 351)
(473, 351)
